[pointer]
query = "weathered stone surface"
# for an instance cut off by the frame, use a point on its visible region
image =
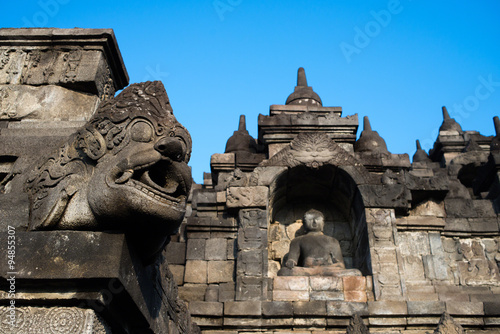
(355, 296)
(108, 272)
(342, 308)
(392, 322)
(54, 319)
(277, 308)
(385, 196)
(457, 224)
(83, 59)
(176, 253)
(448, 325)
(226, 291)
(492, 308)
(354, 283)
(243, 308)
(241, 197)
(387, 307)
(287, 295)
(252, 237)
(242, 322)
(356, 326)
(208, 322)
(326, 283)
(425, 307)
(195, 249)
(178, 272)
(212, 293)
(429, 208)
(465, 308)
(326, 295)
(196, 271)
(291, 283)
(192, 292)
(220, 271)
(264, 176)
(481, 225)
(216, 249)
(453, 297)
(460, 208)
(311, 308)
(33, 105)
(251, 288)
(206, 308)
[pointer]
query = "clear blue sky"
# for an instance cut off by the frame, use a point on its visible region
(396, 61)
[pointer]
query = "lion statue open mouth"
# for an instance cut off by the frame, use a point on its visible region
(126, 170)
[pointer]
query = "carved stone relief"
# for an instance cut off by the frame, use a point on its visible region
(42, 66)
(429, 256)
(314, 150)
(240, 197)
(128, 163)
(53, 320)
(252, 262)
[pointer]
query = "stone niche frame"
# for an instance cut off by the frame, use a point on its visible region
(329, 181)
(331, 190)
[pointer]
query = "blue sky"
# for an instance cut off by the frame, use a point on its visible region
(396, 61)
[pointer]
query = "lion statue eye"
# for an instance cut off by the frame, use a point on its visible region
(141, 132)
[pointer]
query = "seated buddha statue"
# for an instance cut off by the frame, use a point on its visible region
(315, 254)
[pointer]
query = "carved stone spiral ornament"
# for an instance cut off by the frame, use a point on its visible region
(6, 323)
(65, 320)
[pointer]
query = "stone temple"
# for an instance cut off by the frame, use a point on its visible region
(307, 229)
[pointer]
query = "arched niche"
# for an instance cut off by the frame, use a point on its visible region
(329, 189)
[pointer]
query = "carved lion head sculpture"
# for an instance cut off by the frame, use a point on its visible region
(125, 170)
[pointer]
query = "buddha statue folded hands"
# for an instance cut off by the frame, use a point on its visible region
(315, 254)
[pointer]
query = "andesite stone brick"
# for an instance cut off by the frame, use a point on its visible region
(326, 283)
(465, 308)
(220, 271)
(327, 295)
(288, 295)
(277, 308)
(243, 308)
(425, 307)
(195, 249)
(216, 249)
(454, 297)
(354, 283)
(309, 308)
(355, 296)
(382, 307)
(195, 271)
(292, 283)
(492, 308)
(176, 253)
(206, 308)
(342, 308)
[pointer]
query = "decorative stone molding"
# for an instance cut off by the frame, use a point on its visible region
(52, 320)
(246, 197)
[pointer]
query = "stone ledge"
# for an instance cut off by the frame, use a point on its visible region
(465, 308)
(277, 308)
(387, 308)
(77, 38)
(425, 307)
(491, 308)
(206, 308)
(311, 308)
(50, 263)
(243, 308)
(342, 308)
